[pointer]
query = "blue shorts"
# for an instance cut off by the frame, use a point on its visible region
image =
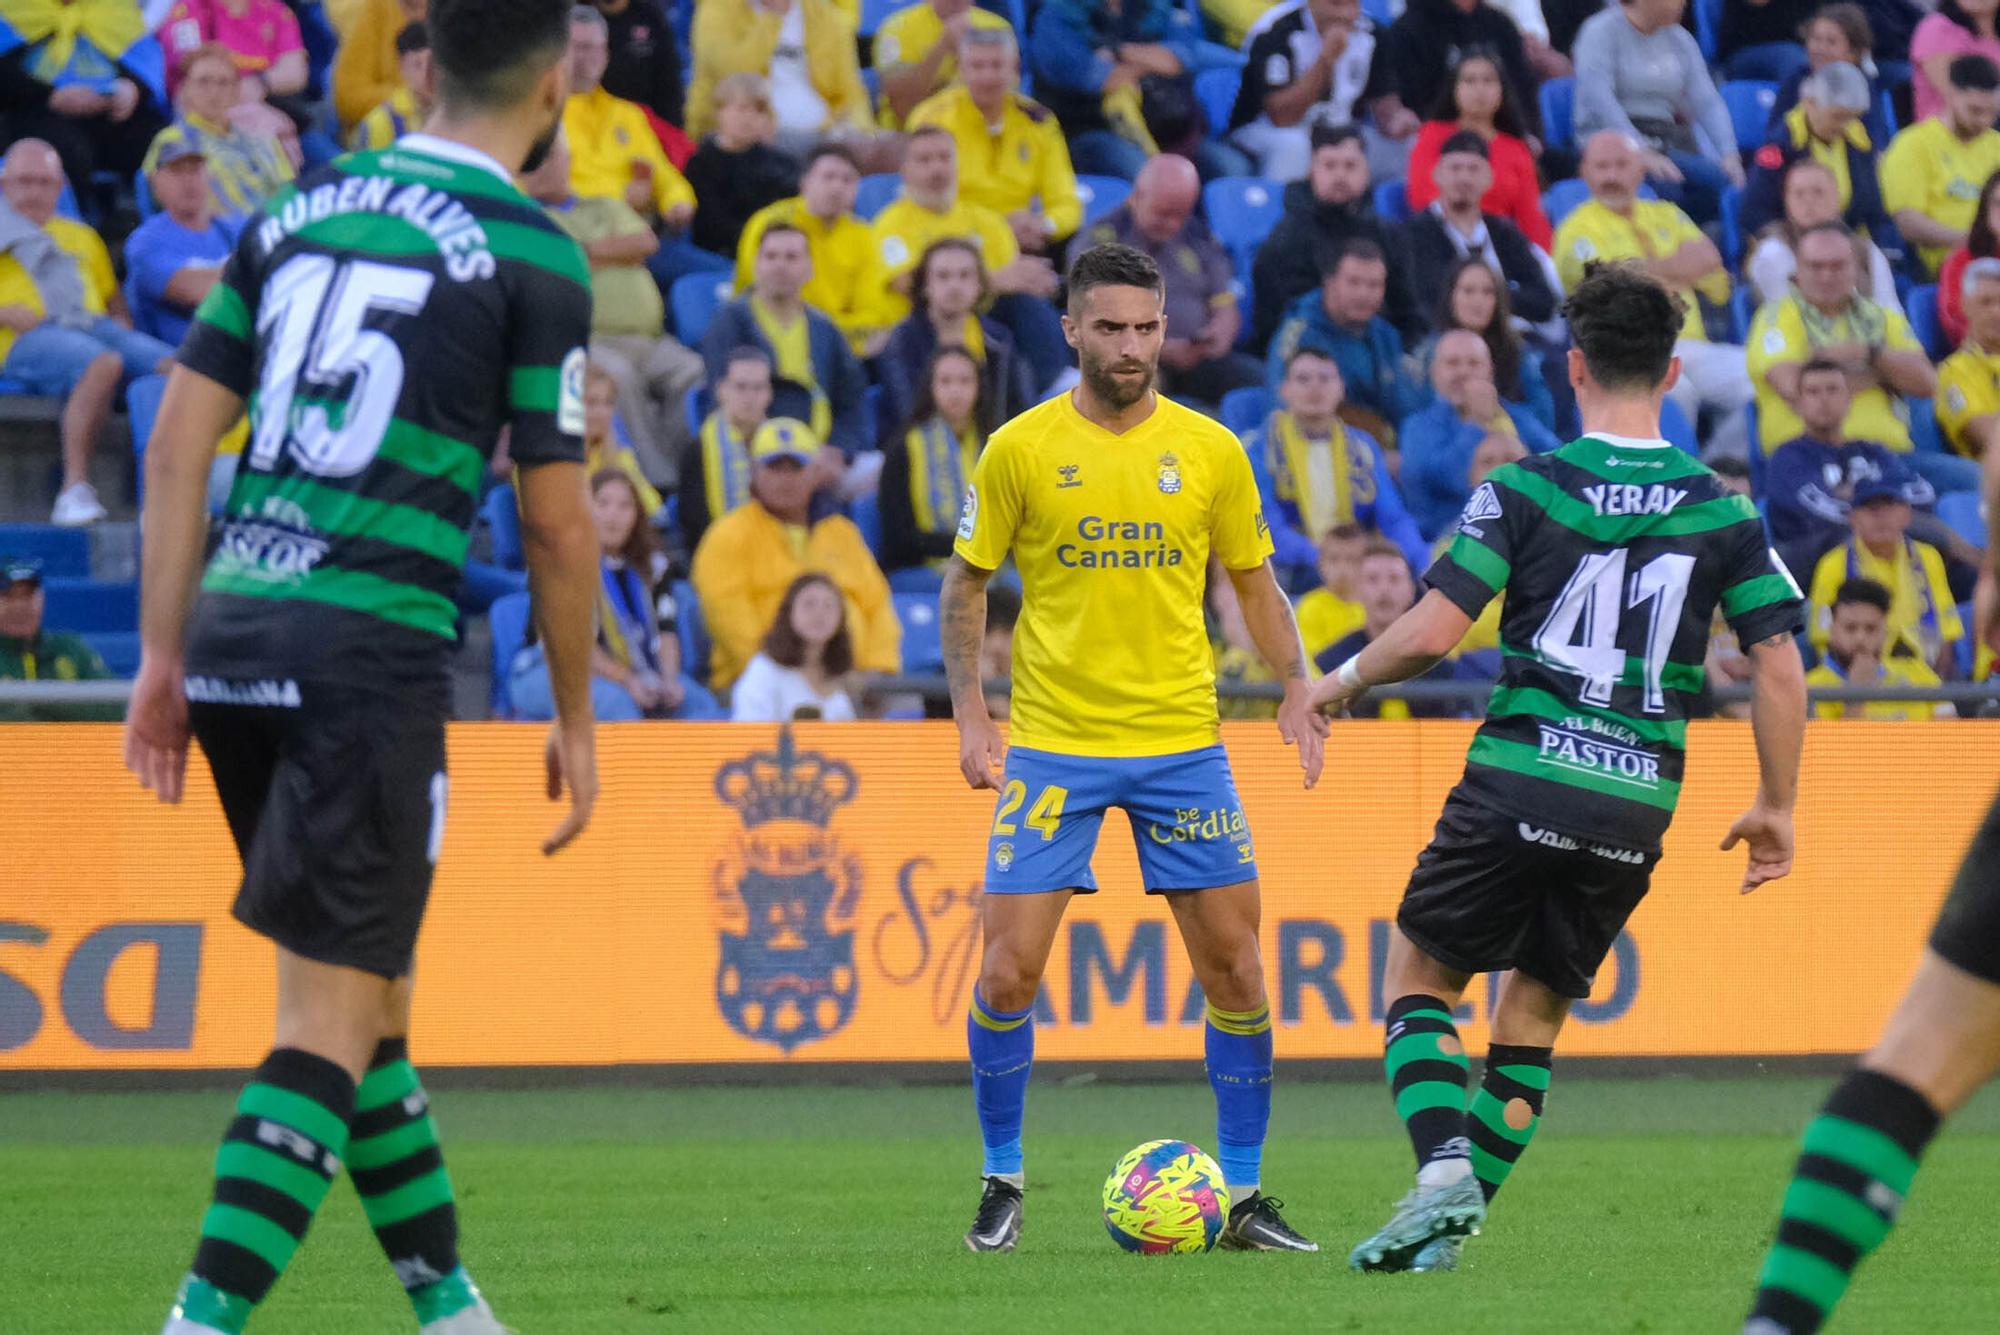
(1187, 821)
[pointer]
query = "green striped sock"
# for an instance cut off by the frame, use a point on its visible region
(1506, 1110)
(1859, 1158)
(276, 1162)
(1426, 1066)
(398, 1170)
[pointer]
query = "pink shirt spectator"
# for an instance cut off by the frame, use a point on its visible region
(1939, 36)
(265, 32)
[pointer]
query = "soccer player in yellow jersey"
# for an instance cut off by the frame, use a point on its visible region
(1112, 499)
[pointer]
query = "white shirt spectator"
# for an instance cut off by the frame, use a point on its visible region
(1279, 50)
(767, 693)
(797, 103)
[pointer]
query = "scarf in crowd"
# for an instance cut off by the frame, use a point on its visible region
(791, 357)
(54, 270)
(1290, 456)
(725, 460)
(940, 465)
(622, 602)
(109, 27)
(1912, 569)
(1862, 322)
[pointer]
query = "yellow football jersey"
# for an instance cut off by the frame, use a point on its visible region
(1968, 389)
(1112, 535)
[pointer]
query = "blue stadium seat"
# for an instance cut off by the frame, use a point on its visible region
(507, 619)
(1731, 223)
(875, 194)
(1962, 650)
(1885, 109)
(1676, 428)
(927, 581)
(866, 512)
(1960, 509)
(923, 649)
(696, 297)
(1100, 195)
(1561, 198)
(695, 644)
(1708, 26)
(1558, 99)
(1216, 90)
(874, 13)
(503, 517)
(1742, 310)
(694, 407)
(1245, 409)
(1242, 210)
(66, 203)
(142, 405)
(1381, 13)
(871, 79)
(119, 650)
(142, 194)
(1392, 202)
(1756, 452)
(1925, 438)
(92, 605)
(63, 552)
(1749, 102)
(1922, 308)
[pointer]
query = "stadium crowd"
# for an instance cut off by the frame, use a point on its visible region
(826, 240)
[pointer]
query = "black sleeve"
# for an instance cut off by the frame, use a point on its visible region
(1400, 306)
(694, 515)
(1527, 88)
(20, 90)
(548, 335)
(1283, 269)
(1267, 69)
(1528, 290)
(896, 371)
(1427, 256)
(1763, 193)
(222, 342)
(902, 545)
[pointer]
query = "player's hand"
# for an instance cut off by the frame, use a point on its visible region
(571, 757)
(1986, 610)
(156, 728)
(1299, 722)
(1769, 836)
(1328, 696)
(980, 752)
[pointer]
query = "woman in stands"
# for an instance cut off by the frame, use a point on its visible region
(801, 672)
(635, 667)
(1478, 99)
(925, 470)
(1836, 34)
(1982, 243)
(948, 289)
(1957, 28)
(1812, 197)
(1475, 299)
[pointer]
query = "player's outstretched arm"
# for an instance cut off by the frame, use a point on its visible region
(1778, 717)
(961, 626)
(194, 414)
(1413, 646)
(560, 543)
(1268, 615)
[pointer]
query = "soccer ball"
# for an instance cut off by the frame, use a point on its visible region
(1165, 1196)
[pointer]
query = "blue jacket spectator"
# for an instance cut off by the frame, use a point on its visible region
(1344, 320)
(175, 256)
(1439, 442)
(1827, 123)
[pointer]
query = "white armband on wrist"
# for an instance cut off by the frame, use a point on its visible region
(1348, 674)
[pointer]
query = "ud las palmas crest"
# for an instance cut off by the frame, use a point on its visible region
(787, 893)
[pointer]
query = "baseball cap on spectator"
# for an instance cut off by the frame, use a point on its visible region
(177, 150)
(1839, 86)
(1891, 484)
(19, 570)
(783, 438)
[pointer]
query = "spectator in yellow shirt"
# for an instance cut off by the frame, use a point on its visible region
(1968, 404)
(806, 49)
(366, 68)
(1331, 612)
(1615, 224)
(750, 556)
(1923, 620)
(1824, 318)
(405, 109)
(916, 51)
(839, 241)
(1932, 172)
(64, 331)
(1857, 632)
(1011, 153)
(930, 209)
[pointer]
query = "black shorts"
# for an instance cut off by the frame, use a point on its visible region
(1968, 926)
(1492, 892)
(336, 802)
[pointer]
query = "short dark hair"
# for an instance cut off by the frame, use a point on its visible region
(783, 645)
(1832, 226)
(1305, 350)
(1624, 321)
(490, 53)
(1365, 249)
(413, 38)
(1325, 135)
(1465, 141)
(927, 131)
(1112, 265)
(1862, 591)
(778, 227)
(746, 352)
(1974, 73)
(1729, 466)
(1820, 365)
(827, 148)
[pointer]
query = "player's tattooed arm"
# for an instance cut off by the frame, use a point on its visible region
(1267, 614)
(961, 627)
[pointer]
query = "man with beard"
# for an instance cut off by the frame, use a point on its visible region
(394, 314)
(1113, 499)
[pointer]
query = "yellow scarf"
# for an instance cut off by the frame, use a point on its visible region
(725, 459)
(1289, 455)
(791, 353)
(940, 463)
(111, 26)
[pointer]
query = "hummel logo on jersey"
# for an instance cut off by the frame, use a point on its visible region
(1613, 498)
(1485, 504)
(1547, 838)
(1069, 476)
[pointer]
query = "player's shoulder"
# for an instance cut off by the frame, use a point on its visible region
(1026, 431)
(1201, 432)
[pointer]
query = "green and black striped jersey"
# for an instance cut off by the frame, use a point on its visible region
(1612, 555)
(386, 319)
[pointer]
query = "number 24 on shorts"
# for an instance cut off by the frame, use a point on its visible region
(1043, 816)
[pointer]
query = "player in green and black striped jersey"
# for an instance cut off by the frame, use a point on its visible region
(385, 322)
(1612, 555)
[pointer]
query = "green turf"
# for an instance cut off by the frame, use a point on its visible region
(1643, 1206)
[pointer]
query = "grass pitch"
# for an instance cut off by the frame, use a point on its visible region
(1644, 1206)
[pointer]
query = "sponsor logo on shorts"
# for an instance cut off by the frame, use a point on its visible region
(265, 693)
(1194, 825)
(1617, 761)
(1546, 838)
(1557, 839)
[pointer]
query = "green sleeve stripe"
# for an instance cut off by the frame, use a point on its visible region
(223, 308)
(350, 515)
(433, 454)
(553, 252)
(1572, 513)
(1540, 704)
(1813, 1278)
(254, 1163)
(409, 1200)
(1864, 1149)
(1428, 1094)
(1480, 561)
(1762, 591)
(534, 389)
(355, 590)
(252, 1232)
(296, 1111)
(1673, 676)
(387, 1148)
(1840, 1213)
(1520, 758)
